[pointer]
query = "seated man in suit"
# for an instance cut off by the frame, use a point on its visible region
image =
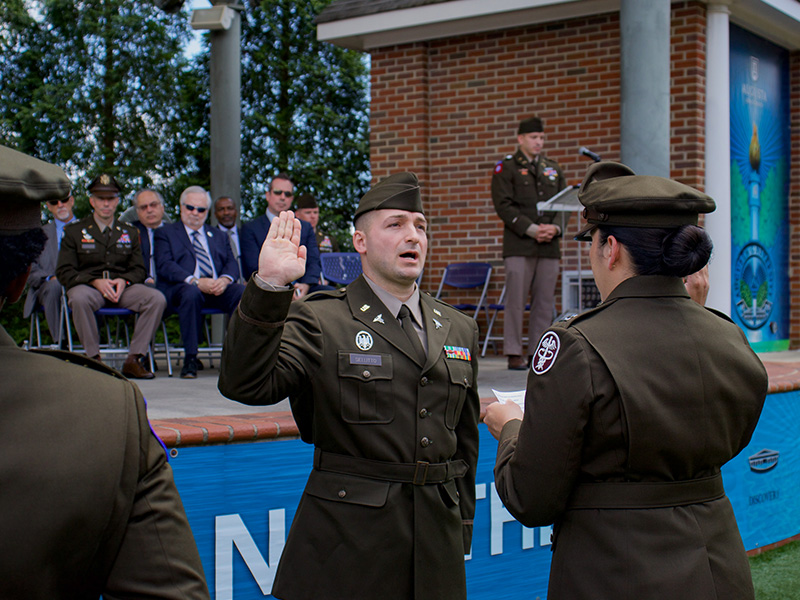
(149, 206)
(43, 286)
(279, 198)
(100, 264)
(195, 269)
(226, 212)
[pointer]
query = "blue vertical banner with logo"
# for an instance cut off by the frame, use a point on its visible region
(760, 155)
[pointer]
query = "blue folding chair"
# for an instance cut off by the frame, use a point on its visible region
(463, 276)
(340, 267)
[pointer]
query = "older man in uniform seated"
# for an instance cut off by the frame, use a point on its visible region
(89, 506)
(100, 264)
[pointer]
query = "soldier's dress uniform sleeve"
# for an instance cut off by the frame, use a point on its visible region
(67, 270)
(503, 197)
(157, 556)
(467, 450)
(135, 271)
(280, 352)
(538, 458)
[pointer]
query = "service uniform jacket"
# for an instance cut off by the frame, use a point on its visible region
(88, 503)
(86, 253)
(362, 398)
(42, 268)
(631, 410)
(517, 186)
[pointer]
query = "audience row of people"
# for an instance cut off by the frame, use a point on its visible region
(154, 267)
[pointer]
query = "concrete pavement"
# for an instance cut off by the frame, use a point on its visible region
(173, 397)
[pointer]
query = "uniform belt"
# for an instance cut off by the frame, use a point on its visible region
(646, 494)
(418, 473)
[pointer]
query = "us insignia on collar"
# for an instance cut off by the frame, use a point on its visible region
(365, 308)
(458, 353)
(436, 311)
(379, 319)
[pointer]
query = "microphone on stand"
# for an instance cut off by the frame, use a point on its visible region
(584, 151)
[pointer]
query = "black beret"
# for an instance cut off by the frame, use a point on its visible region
(531, 125)
(400, 191)
(26, 182)
(104, 183)
(613, 194)
(307, 201)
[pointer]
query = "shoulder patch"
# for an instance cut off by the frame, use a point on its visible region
(80, 360)
(546, 353)
(498, 168)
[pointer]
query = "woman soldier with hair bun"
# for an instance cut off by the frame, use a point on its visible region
(632, 408)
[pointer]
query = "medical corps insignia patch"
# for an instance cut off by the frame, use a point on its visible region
(546, 353)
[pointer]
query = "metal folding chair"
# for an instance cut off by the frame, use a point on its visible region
(463, 276)
(340, 267)
(175, 352)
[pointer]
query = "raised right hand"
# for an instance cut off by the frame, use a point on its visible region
(282, 258)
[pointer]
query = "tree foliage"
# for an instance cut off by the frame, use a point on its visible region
(104, 85)
(305, 111)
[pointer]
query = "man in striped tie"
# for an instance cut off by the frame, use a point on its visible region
(196, 269)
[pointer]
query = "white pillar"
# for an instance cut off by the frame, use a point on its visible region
(718, 152)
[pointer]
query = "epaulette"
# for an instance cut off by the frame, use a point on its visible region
(338, 293)
(574, 318)
(81, 361)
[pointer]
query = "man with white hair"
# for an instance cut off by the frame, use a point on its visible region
(195, 269)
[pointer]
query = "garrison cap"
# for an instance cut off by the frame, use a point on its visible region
(307, 201)
(613, 194)
(531, 125)
(399, 191)
(104, 183)
(26, 182)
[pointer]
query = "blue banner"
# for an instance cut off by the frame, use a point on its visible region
(760, 158)
(241, 500)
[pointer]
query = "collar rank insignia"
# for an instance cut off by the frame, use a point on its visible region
(379, 319)
(365, 308)
(436, 311)
(457, 353)
(437, 324)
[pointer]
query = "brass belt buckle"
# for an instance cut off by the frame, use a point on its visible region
(422, 465)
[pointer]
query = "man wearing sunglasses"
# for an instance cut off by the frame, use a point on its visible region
(43, 286)
(100, 263)
(196, 269)
(279, 198)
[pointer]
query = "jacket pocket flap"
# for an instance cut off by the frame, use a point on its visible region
(339, 487)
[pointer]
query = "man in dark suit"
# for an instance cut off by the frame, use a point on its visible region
(89, 505)
(383, 381)
(226, 212)
(279, 198)
(149, 206)
(195, 268)
(43, 287)
(100, 264)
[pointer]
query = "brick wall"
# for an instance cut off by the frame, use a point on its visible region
(448, 109)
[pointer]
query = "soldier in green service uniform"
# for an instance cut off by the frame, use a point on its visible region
(101, 264)
(382, 380)
(632, 408)
(89, 506)
(530, 238)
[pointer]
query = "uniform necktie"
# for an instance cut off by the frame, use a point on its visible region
(203, 260)
(407, 323)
